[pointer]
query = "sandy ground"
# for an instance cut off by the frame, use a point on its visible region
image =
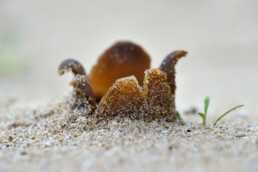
(36, 130)
(48, 137)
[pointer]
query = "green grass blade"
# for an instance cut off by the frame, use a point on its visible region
(227, 113)
(203, 117)
(182, 122)
(206, 105)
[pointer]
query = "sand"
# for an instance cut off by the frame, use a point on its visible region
(46, 136)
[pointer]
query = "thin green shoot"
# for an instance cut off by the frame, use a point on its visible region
(227, 113)
(206, 105)
(182, 122)
(203, 117)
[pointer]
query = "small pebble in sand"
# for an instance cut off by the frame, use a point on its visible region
(23, 153)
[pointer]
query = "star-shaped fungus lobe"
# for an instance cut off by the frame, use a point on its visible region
(124, 98)
(124, 85)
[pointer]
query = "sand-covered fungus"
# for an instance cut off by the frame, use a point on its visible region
(168, 66)
(125, 97)
(83, 96)
(158, 94)
(124, 85)
(83, 89)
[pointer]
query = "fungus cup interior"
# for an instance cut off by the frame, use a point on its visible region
(123, 59)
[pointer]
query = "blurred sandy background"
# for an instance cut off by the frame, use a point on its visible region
(220, 36)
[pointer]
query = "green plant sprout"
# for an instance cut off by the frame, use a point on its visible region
(226, 113)
(204, 115)
(206, 105)
(182, 122)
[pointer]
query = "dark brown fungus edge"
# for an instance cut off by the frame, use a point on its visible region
(71, 65)
(168, 66)
(82, 86)
(80, 82)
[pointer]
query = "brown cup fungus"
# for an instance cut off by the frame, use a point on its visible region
(124, 86)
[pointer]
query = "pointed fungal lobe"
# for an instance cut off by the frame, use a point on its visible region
(71, 65)
(83, 89)
(84, 97)
(124, 98)
(158, 94)
(168, 66)
(123, 59)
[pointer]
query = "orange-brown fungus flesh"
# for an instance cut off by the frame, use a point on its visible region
(71, 65)
(120, 60)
